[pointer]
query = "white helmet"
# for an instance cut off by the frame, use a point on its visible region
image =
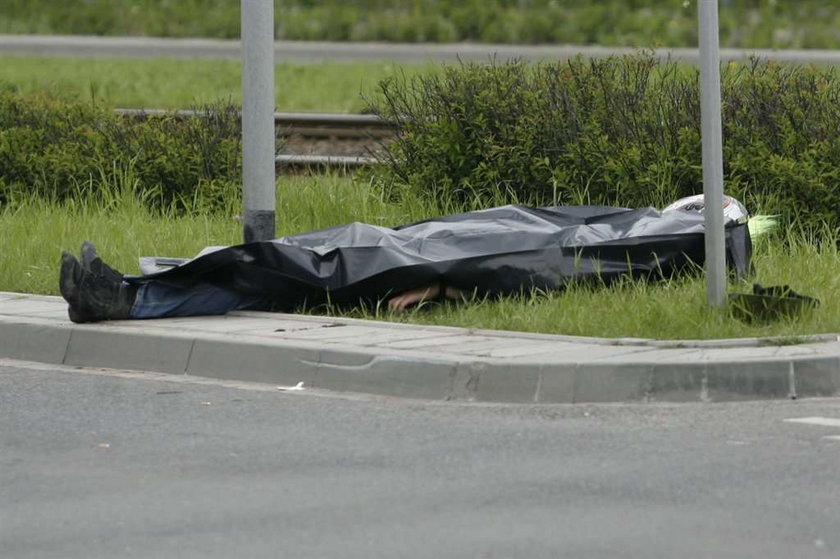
(732, 209)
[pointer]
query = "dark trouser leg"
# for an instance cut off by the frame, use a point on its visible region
(157, 299)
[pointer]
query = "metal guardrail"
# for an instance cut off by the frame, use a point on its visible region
(337, 126)
(305, 161)
(305, 124)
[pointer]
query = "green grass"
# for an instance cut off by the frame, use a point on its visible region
(173, 83)
(743, 23)
(672, 310)
(35, 231)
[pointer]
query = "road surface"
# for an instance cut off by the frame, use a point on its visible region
(319, 51)
(103, 464)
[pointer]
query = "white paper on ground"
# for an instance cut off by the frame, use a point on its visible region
(154, 264)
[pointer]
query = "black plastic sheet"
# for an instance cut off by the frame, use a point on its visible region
(490, 252)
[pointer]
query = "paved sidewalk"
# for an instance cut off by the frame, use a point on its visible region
(422, 361)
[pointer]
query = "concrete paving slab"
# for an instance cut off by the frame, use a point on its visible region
(437, 342)
(512, 383)
(465, 380)
(759, 353)
(387, 374)
(565, 353)
(256, 326)
(253, 362)
(34, 341)
(283, 326)
(330, 332)
(679, 356)
(557, 385)
(646, 355)
(595, 382)
(115, 347)
(477, 346)
(678, 384)
(750, 379)
(816, 377)
(23, 307)
(4, 295)
(381, 336)
(47, 314)
(423, 361)
(525, 348)
(488, 349)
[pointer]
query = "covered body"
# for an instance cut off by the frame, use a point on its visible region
(496, 251)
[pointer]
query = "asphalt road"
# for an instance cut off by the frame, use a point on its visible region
(318, 51)
(117, 464)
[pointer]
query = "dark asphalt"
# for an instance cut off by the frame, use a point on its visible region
(99, 465)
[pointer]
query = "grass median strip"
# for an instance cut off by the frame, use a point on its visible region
(35, 231)
(175, 84)
(114, 215)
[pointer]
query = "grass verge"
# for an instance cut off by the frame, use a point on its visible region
(172, 83)
(123, 227)
(668, 310)
(35, 231)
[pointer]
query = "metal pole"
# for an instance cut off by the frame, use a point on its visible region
(258, 180)
(712, 152)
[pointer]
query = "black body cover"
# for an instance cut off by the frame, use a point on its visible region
(491, 252)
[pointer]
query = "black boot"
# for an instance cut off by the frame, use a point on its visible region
(93, 297)
(91, 262)
(70, 277)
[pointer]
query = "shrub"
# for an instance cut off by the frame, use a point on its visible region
(60, 148)
(620, 131)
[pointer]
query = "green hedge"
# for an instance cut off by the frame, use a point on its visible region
(63, 149)
(643, 23)
(617, 131)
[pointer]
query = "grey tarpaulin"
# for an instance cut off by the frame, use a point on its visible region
(491, 252)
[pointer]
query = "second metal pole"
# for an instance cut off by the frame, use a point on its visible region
(712, 152)
(258, 176)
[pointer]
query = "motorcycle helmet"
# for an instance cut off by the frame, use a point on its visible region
(732, 209)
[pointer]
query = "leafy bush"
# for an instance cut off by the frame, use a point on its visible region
(620, 131)
(744, 23)
(61, 149)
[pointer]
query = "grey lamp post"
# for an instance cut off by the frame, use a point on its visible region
(258, 179)
(712, 151)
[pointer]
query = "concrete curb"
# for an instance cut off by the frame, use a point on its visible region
(422, 361)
